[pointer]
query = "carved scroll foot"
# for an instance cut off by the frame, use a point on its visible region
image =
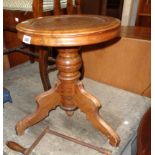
(45, 102)
(90, 106)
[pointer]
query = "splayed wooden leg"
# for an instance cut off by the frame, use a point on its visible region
(90, 106)
(45, 102)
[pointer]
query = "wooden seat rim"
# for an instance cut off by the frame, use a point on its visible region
(70, 37)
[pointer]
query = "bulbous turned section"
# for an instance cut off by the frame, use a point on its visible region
(68, 63)
(69, 110)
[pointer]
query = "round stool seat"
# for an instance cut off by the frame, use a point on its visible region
(68, 30)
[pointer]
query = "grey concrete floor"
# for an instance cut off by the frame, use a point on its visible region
(121, 109)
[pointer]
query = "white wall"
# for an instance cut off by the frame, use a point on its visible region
(129, 12)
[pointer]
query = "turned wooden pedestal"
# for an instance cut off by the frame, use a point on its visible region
(68, 33)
